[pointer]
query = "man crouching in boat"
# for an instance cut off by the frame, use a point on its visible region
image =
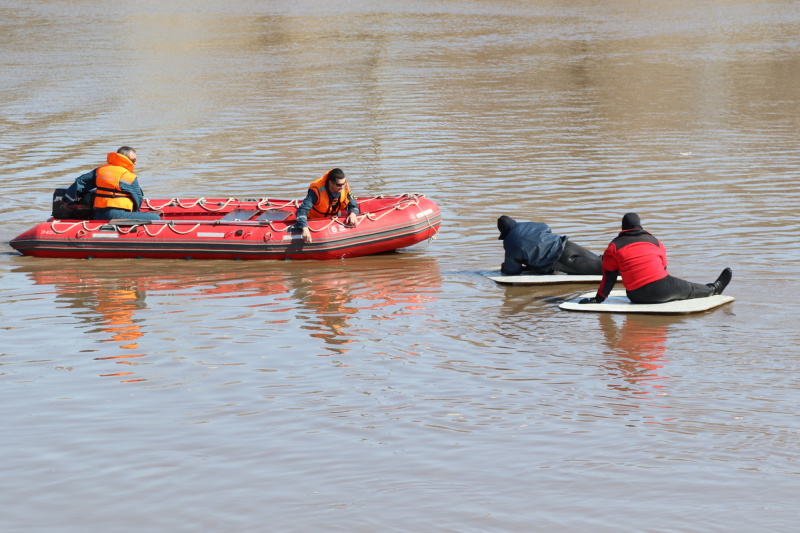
(118, 194)
(531, 246)
(327, 196)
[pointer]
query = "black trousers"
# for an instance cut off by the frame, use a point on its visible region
(576, 259)
(669, 289)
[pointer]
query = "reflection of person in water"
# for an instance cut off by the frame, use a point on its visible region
(113, 304)
(638, 346)
(109, 300)
(329, 296)
(114, 297)
(116, 307)
(336, 299)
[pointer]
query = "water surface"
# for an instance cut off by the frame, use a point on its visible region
(405, 392)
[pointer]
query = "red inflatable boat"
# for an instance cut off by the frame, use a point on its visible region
(232, 229)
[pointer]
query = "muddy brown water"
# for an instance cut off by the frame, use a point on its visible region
(405, 392)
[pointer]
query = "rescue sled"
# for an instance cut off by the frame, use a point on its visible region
(618, 302)
(232, 228)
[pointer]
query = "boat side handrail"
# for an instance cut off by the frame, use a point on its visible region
(404, 201)
(173, 222)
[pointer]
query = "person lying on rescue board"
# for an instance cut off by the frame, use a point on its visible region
(117, 192)
(641, 260)
(327, 196)
(531, 246)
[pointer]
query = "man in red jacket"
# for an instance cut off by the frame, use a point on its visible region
(641, 260)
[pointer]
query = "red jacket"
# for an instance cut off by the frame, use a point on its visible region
(635, 255)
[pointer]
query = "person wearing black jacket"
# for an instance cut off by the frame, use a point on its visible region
(533, 247)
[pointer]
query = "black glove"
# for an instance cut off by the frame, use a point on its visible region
(593, 300)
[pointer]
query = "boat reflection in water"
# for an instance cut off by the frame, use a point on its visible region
(106, 301)
(332, 298)
(137, 309)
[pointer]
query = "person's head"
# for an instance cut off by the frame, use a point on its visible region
(336, 180)
(505, 224)
(128, 152)
(631, 221)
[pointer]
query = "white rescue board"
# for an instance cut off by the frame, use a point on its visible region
(618, 302)
(548, 279)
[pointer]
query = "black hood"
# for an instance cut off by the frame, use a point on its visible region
(631, 221)
(505, 224)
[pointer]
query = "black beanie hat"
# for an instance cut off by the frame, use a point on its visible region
(631, 221)
(504, 224)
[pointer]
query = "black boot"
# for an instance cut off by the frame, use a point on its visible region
(722, 281)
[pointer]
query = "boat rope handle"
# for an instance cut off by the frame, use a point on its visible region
(411, 199)
(155, 234)
(326, 226)
(261, 205)
(72, 226)
(200, 201)
(172, 227)
(149, 205)
(359, 218)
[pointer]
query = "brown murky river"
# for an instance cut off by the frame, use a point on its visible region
(405, 392)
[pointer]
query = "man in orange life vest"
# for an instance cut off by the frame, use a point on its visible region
(327, 196)
(117, 194)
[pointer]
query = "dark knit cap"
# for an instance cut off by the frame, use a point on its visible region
(631, 221)
(505, 224)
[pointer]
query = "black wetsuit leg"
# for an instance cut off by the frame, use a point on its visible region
(669, 289)
(576, 259)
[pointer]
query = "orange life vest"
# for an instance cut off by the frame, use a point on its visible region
(325, 206)
(109, 194)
